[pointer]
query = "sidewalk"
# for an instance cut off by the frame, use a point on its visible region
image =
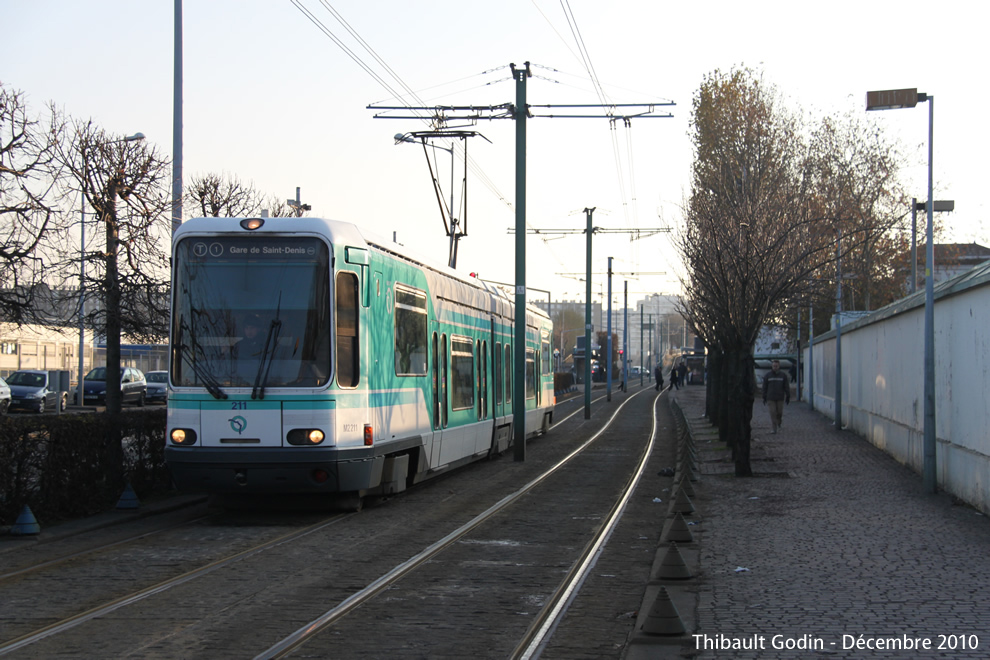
(832, 548)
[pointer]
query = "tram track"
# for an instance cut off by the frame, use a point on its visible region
(550, 613)
(48, 564)
(350, 538)
(161, 587)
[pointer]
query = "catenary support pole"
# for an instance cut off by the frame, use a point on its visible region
(587, 314)
(625, 336)
(519, 341)
(609, 368)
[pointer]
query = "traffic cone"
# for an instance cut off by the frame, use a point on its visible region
(128, 499)
(26, 523)
(663, 618)
(673, 567)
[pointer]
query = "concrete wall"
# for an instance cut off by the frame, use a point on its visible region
(883, 382)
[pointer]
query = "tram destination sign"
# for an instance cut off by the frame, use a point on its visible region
(254, 248)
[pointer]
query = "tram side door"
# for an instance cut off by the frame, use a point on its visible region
(438, 360)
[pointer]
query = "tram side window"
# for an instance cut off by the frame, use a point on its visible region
(461, 373)
(411, 341)
(546, 361)
(508, 373)
(530, 373)
(348, 364)
(498, 373)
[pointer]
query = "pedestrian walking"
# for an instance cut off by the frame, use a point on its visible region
(682, 372)
(776, 391)
(658, 374)
(675, 379)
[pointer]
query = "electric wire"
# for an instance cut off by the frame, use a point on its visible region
(603, 98)
(407, 92)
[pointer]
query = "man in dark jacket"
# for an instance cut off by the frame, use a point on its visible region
(658, 374)
(776, 390)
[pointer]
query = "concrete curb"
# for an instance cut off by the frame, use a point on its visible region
(682, 593)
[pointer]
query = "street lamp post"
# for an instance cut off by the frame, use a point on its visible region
(82, 266)
(939, 206)
(909, 98)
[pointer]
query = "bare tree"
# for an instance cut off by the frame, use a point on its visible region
(125, 183)
(766, 210)
(855, 169)
(27, 213)
(214, 195)
(753, 231)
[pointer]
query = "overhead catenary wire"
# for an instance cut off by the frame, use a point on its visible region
(473, 166)
(407, 91)
(390, 80)
(603, 98)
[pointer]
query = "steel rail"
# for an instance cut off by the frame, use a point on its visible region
(536, 638)
(303, 634)
(83, 553)
(73, 621)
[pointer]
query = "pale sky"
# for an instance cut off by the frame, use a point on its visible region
(270, 98)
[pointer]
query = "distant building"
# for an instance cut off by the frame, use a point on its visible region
(951, 259)
(774, 340)
(646, 342)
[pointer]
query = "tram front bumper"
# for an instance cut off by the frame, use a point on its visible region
(290, 470)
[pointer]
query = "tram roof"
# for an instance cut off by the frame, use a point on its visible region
(349, 232)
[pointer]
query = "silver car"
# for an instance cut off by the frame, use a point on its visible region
(4, 396)
(157, 386)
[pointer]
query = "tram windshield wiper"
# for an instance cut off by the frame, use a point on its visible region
(209, 382)
(268, 353)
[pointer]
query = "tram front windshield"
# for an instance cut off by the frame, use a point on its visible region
(251, 311)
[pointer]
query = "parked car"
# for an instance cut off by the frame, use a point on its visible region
(157, 386)
(31, 390)
(133, 386)
(4, 396)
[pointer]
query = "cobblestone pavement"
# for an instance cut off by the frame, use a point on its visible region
(832, 548)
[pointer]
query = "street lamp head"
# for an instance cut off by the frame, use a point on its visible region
(892, 99)
(403, 137)
(134, 138)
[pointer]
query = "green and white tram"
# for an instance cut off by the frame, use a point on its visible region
(309, 357)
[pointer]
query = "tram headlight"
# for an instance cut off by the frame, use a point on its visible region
(183, 437)
(306, 437)
(252, 223)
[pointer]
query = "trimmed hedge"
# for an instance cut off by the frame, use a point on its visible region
(66, 466)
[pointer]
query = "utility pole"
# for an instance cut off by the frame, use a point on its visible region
(642, 348)
(608, 338)
(519, 343)
(176, 123)
(625, 335)
(589, 231)
(520, 112)
(587, 315)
